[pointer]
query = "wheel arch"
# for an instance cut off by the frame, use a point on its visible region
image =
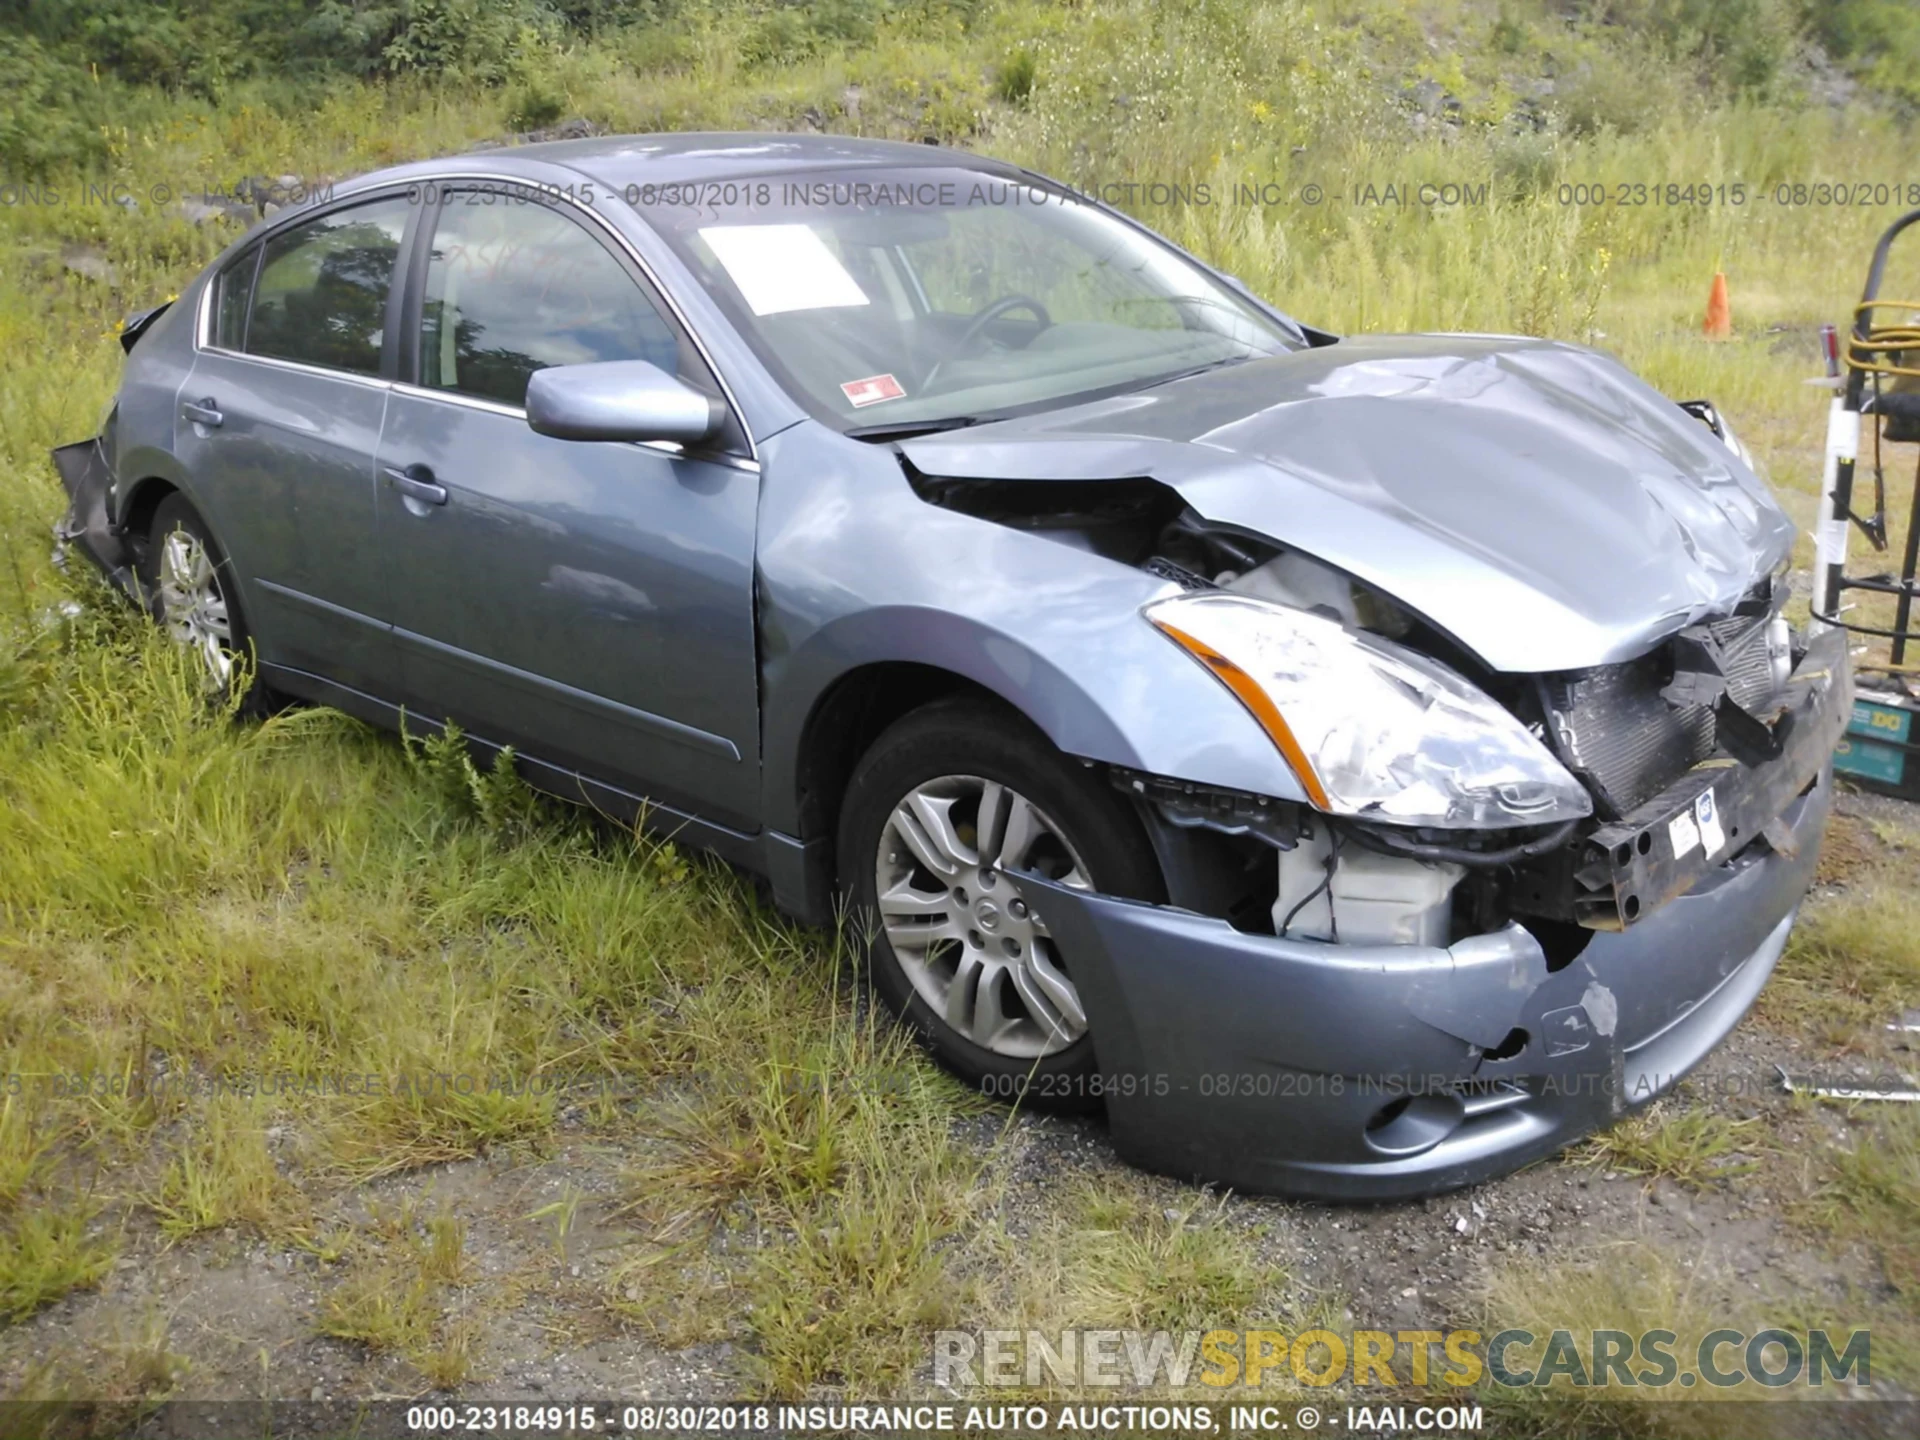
(143, 498)
(849, 715)
(140, 499)
(827, 703)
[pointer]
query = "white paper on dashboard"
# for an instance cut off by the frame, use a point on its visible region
(782, 267)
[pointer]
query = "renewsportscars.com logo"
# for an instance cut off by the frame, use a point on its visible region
(1230, 1359)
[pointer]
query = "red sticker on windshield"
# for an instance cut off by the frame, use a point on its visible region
(872, 390)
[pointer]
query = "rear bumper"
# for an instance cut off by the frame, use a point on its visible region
(1358, 1072)
(88, 523)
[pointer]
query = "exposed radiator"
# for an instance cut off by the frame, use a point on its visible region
(1630, 742)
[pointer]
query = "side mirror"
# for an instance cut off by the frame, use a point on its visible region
(620, 400)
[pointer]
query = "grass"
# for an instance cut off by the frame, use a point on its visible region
(21, 1150)
(677, 1296)
(848, 1304)
(399, 1296)
(1854, 966)
(561, 1214)
(443, 1257)
(1131, 1253)
(798, 1120)
(1695, 1148)
(44, 1254)
(1133, 1264)
(846, 1142)
(224, 1175)
(1871, 1195)
(1633, 1287)
(383, 1310)
(206, 927)
(120, 1377)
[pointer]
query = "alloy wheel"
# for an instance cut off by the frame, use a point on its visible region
(969, 945)
(193, 605)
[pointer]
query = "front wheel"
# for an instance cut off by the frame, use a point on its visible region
(944, 804)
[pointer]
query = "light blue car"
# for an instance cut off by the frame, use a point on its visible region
(1362, 765)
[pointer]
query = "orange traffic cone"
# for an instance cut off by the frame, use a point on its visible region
(1719, 322)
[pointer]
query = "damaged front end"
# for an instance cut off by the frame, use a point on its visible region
(1409, 1008)
(1689, 771)
(1403, 1025)
(1504, 908)
(1380, 1071)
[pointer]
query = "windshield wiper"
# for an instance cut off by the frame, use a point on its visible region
(907, 429)
(1198, 370)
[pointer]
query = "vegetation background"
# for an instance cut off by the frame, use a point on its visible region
(183, 898)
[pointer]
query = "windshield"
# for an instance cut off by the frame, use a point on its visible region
(941, 295)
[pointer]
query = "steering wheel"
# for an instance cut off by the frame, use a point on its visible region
(977, 326)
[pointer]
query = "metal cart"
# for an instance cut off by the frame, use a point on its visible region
(1877, 379)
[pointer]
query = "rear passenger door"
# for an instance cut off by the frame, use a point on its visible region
(278, 424)
(588, 602)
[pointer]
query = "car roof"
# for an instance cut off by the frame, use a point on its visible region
(665, 159)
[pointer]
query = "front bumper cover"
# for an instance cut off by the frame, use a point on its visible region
(1384, 1072)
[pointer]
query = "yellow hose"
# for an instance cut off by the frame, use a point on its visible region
(1890, 337)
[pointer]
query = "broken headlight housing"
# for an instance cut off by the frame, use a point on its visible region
(1373, 730)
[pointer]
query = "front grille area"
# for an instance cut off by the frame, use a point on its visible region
(1627, 739)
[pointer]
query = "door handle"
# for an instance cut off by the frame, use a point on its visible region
(415, 486)
(202, 412)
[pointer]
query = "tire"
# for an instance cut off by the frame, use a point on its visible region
(191, 592)
(1021, 1031)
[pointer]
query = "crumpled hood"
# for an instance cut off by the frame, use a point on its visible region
(1533, 499)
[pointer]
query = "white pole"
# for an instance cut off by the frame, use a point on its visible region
(1830, 530)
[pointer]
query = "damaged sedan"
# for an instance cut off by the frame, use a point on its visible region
(1361, 765)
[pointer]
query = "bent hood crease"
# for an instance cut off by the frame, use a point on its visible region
(1533, 499)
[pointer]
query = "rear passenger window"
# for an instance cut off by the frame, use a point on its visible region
(514, 288)
(231, 295)
(321, 296)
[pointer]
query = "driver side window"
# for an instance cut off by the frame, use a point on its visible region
(514, 286)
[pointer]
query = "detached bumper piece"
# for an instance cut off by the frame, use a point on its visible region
(88, 479)
(1630, 867)
(1380, 1072)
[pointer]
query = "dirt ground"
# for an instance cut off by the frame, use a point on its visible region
(223, 1316)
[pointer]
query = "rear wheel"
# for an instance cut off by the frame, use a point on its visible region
(191, 590)
(939, 810)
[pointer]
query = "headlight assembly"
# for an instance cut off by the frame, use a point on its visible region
(1373, 730)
